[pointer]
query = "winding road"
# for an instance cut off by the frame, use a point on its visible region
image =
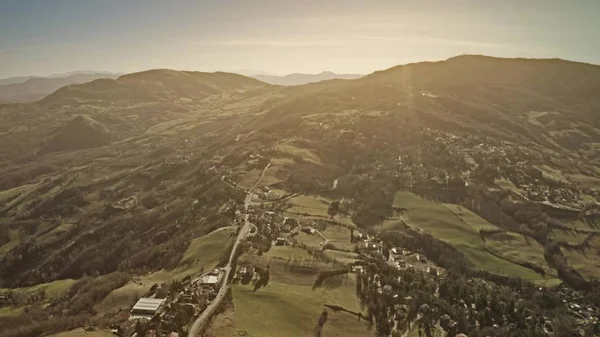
(202, 320)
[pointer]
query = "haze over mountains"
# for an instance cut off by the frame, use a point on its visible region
(32, 88)
(299, 79)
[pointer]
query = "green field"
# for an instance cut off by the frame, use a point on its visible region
(478, 223)
(206, 250)
(584, 225)
(342, 257)
(299, 153)
(339, 236)
(270, 176)
(308, 204)
(567, 236)
(82, 333)
(52, 290)
(203, 252)
(282, 161)
(11, 311)
(250, 179)
(15, 239)
(284, 310)
(516, 247)
(586, 181)
(288, 253)
(508, 185)
(339, 218)
(552, 173)
(463, 233)
(586, 262)
(288, 271)
(14, 192)
(312, 240)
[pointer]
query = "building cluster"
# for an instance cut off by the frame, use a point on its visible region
(579, 306)
(403, 259)
(168, 303)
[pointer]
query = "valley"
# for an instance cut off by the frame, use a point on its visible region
(307, 198)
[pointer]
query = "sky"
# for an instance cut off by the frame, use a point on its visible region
(43, 37)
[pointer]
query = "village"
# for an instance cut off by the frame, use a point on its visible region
(169, 309)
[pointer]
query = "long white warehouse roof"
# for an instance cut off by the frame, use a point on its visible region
(148, 304)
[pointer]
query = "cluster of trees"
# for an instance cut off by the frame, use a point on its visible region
(73, 309)
(4, 235)
(460, 304)
(17, 298)
(323, 275)
(36, 323)
(24, 175)
(264, 274)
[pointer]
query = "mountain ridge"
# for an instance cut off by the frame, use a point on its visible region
(301, 79)
(34, 88)
(156, 84)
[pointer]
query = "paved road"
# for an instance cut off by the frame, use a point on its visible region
(203, 318)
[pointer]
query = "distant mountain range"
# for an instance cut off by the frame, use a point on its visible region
(300, 79)
(31, 88)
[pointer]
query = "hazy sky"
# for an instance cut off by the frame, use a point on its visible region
(41, 37)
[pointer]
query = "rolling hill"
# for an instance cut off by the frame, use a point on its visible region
(79, 133)
(155, 85)
(29, 89)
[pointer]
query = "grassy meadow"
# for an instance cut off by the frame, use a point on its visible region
(460, 228)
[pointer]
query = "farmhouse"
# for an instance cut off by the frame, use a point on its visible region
(147, 308)
(209, 280)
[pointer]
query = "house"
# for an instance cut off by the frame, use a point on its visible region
(209, 280)
(280, 242)
(308, 230)
(146, 308)
(290, 221)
